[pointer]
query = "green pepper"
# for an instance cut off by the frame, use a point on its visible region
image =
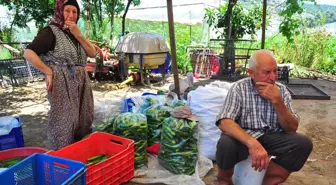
(179, 145)
(169, 130)
(168, 139)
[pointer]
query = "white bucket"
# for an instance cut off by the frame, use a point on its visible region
(244, 174)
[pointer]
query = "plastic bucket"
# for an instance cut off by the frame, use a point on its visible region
(20, 152)
(244, 174)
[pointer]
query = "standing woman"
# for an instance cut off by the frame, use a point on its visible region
(60, 52)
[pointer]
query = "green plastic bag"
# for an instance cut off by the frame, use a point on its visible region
(178, 148)
(156, 114)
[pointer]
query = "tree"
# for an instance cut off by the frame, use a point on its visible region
(135, 3)
(24, 11)
(244, 21)
(291, 22)
(99, 8)
(290, 17)
(96, 18)
(42, 11)
(28, 10)
(113, 7)
(6, 35)
(231, 21)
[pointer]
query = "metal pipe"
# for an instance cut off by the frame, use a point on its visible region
(263, 25)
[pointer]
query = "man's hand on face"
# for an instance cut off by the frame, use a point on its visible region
(270, 92)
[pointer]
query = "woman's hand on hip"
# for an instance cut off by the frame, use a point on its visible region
(49, 80)
(73, 28)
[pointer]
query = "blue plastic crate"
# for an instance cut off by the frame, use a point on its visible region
(12, 140)
(42, 169)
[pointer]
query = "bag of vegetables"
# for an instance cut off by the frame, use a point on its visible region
(149, 101)
(156, 114)
(105, 127)
(132, 126)
(179, 103)
(178, 148)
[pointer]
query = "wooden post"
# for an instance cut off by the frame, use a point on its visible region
(263, 25)
(173, 46)
(88, 20)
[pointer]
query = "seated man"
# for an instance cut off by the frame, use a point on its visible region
(258, 120)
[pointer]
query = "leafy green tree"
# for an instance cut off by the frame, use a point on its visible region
(99, 11)
(6, 34)
(244, 21)
(235, 24)
(42, 11)
(102, 12)
(28, 10)
(96, 14)
(25, 11)
(291, 23)
(290, 12)
(135, 2)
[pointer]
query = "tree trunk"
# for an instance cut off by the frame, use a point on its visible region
(229, 55)
(94, 27)
(101, 12)
(113, 5)
(88, 19)
(124, 17)
(112, 29)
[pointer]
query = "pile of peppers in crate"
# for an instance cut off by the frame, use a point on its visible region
(132, 126)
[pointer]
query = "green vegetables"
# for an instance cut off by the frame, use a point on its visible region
(10, 162)
(179, 103)
(149, 101)
(155, 116)
(132, 126)
(177, 136)
(96, 159)
(178, 149)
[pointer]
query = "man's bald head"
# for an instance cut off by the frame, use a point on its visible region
(261, 57)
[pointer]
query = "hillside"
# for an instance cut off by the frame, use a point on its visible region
(313, 15)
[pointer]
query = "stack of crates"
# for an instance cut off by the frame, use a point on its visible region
(68, 165)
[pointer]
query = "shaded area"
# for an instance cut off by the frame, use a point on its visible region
(317, 121)
(34, 129)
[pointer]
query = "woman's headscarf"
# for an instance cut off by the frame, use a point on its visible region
(58, 19)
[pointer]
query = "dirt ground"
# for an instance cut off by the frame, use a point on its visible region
(318, 121)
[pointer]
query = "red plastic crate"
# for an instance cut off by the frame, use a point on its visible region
(115, 170)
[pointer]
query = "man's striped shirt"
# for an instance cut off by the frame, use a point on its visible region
(252, 112)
